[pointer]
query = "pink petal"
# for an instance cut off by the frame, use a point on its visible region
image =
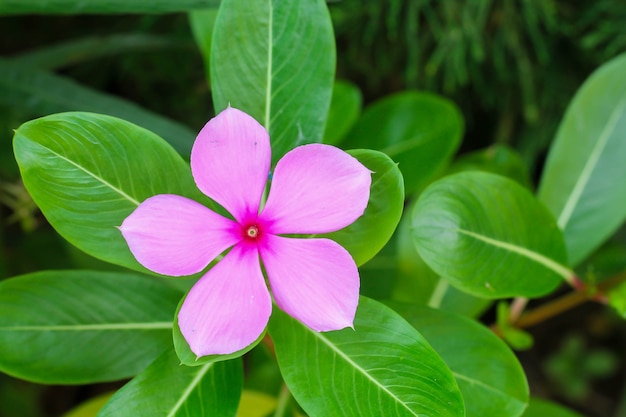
(314, 280)
(173, 235)
(229, 307)
(316, 189)
(230, 162)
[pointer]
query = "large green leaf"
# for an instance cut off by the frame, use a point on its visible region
(488, 373)
(543, 408)
(275, 60)
(43, 93)
(583, 181)
(489, 236)
(345, 108)
(74, 327)
(101, 6)
(420, 131)
(383, 367)
(366, 237)
(87, 172)
(202, 23)
(168, 389)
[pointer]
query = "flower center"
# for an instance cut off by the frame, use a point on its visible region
(252, 232)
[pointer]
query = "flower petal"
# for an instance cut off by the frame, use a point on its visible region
(173, 235)
(229, 307)
(230, 162)
(316, 189)
(314, 280)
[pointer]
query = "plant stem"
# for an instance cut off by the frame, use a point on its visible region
(568, 301)
(283, 401)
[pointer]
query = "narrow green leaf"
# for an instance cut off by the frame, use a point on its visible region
(168, 389)
(345, 108)
(488, 373)
(81, 50)
(43, 93)
(101, 6)
(383, 367)
(283, 71)
(366, 237)
(420, 131)
(543, 408)
(489, 236)
(88, 172)
(75, 327)
(583, 181)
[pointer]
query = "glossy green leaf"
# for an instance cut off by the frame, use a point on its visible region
(583, 181)
(283, 70)
(43, 93)
(168, 389)
(488, 373)
(101, 6)
(420, 131)
(543, 408)
(383, 367)
(74, 327)
(345, 108)
(417, 283)
(366, 237)
(489, 236)
(87, 172)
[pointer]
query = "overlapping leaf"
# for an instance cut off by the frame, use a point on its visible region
(488, 373)
(71, 327)
(168, 389)
(275, 60)
(489, 236)
(383, 367)
(583, 182)
(420, 131)
(87, 172)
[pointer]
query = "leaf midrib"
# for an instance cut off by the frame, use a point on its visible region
(587, 171)
(362, 370)
(192, 385)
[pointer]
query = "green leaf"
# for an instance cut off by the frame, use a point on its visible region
(77, 51)
(420, 131)
(101, 6)
(167, 388)
(417, 283)
(88, 172)
(488, 373)
(383, 367)
(76, 327)
(543, 408)
(366, 237)
(91, 407)
(497, 159)
(256, 404)
(283, 70)
(345, 108)
(489, 236)
(43, 93)
(583, 181)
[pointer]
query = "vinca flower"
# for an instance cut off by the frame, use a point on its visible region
(314, 189)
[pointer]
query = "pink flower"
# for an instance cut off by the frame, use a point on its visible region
(315, 189)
